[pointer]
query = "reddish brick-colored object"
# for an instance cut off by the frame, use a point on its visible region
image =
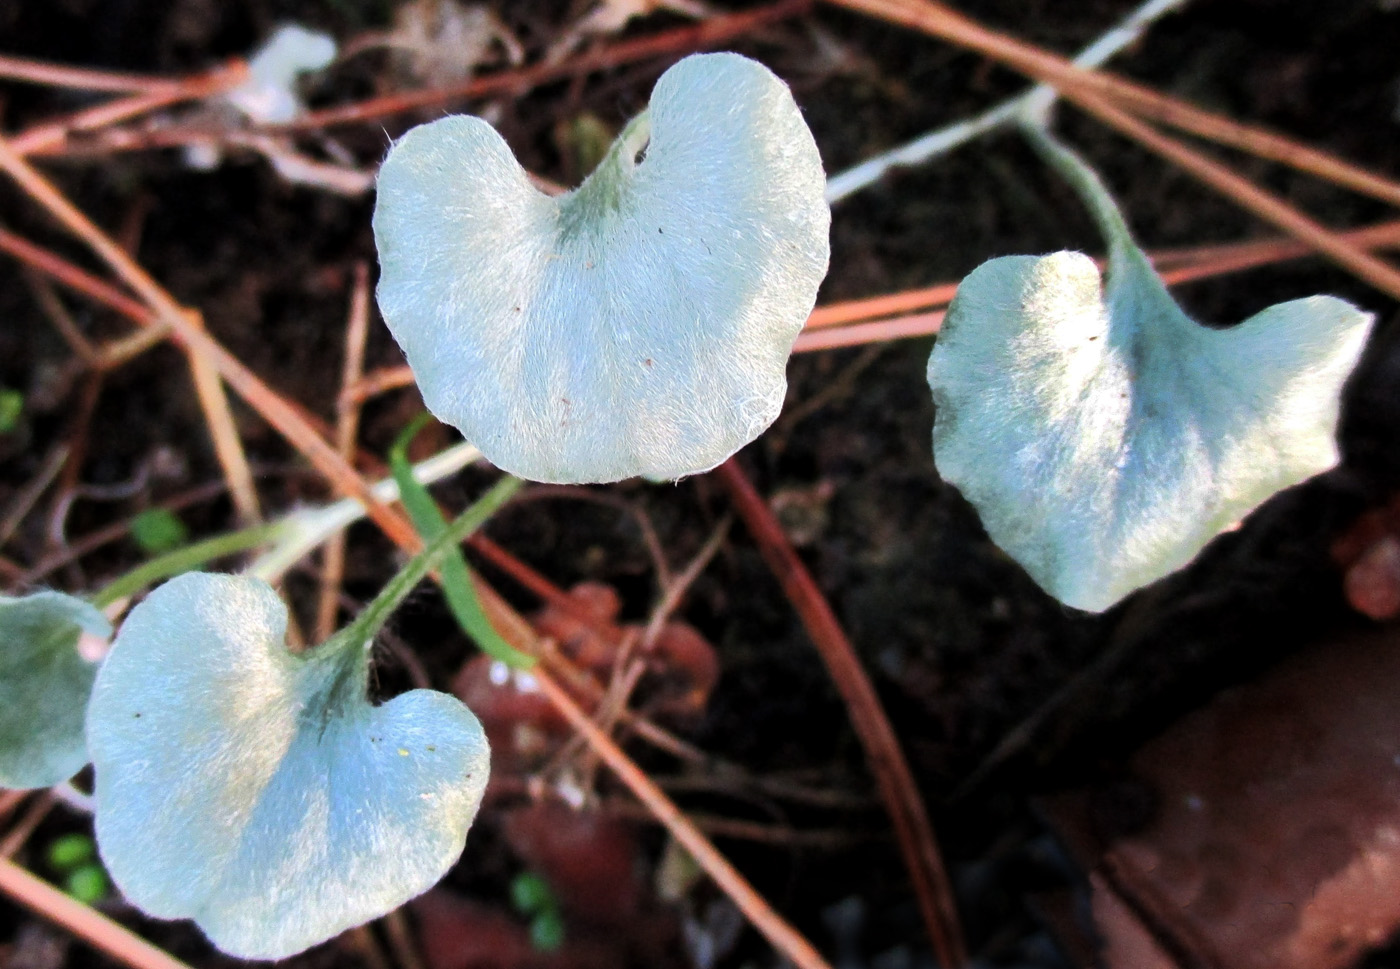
(1369, 552)
(1265, 831)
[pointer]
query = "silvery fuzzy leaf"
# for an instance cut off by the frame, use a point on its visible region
(44, 687)
(258, 792)
(1104, 436)
(640, 325)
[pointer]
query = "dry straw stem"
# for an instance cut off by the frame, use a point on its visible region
(228, 446)
(347, 429)
(288, 421)
(713, 32)
(941, 21)
(53, 135)
(101, 932)
(793, 945)
(57, 75)
(1089, 90)
(891, 770)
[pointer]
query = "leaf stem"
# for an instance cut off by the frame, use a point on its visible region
(362, 630)
(1086, 184)
(457, 583)
(186, 558)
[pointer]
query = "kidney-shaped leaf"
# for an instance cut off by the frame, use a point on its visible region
(44, 687)
(640, 325)
(1104, 436)
(258, 792)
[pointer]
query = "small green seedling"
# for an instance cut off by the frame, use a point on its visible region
(88, 884)
(158, 530)
(532, 897)
(11, 407)
(74, 856)
(639, 325)
(47, 671)
(44, 684)
(69, 851)
(259, 792)
(457, 584)
(1102, 434)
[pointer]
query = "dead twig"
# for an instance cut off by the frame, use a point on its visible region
(81, 78)
(347, 429)
(783, 936)
(88, 924)
(53, 135)
(896, 782)
(1091, 90)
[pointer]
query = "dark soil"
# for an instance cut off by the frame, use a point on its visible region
(965, 649)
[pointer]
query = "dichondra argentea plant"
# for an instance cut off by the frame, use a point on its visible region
(638, 325)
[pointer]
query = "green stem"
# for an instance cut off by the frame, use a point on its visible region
(184, 559)
(1086, 184)
(457, 584)
(366, 625)
(602, 192)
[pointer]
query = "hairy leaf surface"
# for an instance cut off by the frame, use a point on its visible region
(640, 325)
(1102, 434)
(258, 792)
(44, 687)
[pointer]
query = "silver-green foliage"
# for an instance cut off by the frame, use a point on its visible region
(259, 792)
(44, 687)
(1102, 434)
(640, 325)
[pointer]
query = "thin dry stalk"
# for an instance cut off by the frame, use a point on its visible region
(877, 331)
(274, 408)
(67, 327)
(92, 926)
(59, 75)
(228, 445)
(1090, 90)
(347, 429)
(783, 937)
(939, 20)
(892, 774)
(53, 136)
(32, 491)
(714, 32)
(34, 816)
(9, 800)
(673, 592)
(402, 942)
(836, 314)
